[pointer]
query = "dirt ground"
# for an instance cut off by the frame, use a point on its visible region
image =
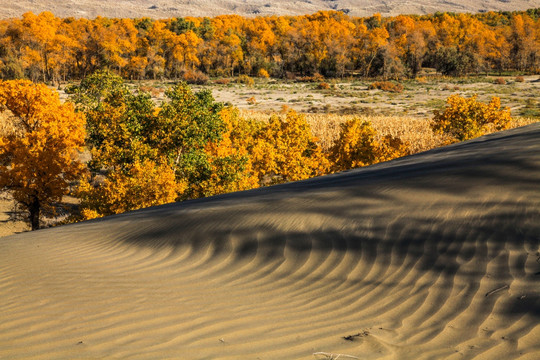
(349, 96)
(8, 226)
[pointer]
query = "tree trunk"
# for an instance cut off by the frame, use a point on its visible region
(34, 209)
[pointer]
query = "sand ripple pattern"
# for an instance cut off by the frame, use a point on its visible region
(435, 256)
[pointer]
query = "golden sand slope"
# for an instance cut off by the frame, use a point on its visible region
(427, 257)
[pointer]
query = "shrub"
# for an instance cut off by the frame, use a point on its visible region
(357, 146)
(195, 77)
(323, 86)
(315, 78)
(231, 167)
(263, 73)
(520, 79)
(386, 86)
(245, 79)
(465, 119)
(252, 100)
(222, 81)
(142, 184)
(500, 81)
(285, 150)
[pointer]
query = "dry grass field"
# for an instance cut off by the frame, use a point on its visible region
(352, 96)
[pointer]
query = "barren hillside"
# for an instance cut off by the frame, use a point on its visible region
(175, 8)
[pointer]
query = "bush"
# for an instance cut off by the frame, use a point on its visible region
(500, 81)
(464, 119)
(357, 146)
(520, 79)
(323, 86)
(195, 77)
(222, 81)
(245, 79)
(315, 78)
(262, 73)
(142, 184)
(285, 150)
(386, 86)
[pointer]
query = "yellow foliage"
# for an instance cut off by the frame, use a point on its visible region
(465, 119)
(39, 148)
(230, 164)
(263, 73)
(285, 150)
(142, 185)
(358, 146)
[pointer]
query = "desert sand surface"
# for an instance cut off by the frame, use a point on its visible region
(432, 256)
(161, 9)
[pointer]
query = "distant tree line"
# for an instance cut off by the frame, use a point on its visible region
(51, 49)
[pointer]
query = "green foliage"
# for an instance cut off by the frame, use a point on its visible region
(183, 127)
(181, 25)
(118, 122)
(103, 85)
(452, 61)
(126, 132)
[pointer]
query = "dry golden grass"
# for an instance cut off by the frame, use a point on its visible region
(413, 130)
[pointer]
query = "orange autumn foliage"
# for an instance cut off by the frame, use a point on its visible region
(44, 47)
(39, 147)
(229, 158)
(142, 185)
(357, 146)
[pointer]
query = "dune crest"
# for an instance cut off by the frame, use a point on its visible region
(431, 256)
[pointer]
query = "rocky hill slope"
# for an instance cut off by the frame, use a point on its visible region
(176, 8)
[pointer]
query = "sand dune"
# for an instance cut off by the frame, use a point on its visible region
(434, 256)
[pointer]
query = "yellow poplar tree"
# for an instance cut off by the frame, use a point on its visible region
(39, 145)
(467, 118)
(231, 168)
(358, 146)
(285, 150)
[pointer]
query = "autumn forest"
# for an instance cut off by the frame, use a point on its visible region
(51, 49)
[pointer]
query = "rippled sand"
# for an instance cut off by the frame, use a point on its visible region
(434, 256)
